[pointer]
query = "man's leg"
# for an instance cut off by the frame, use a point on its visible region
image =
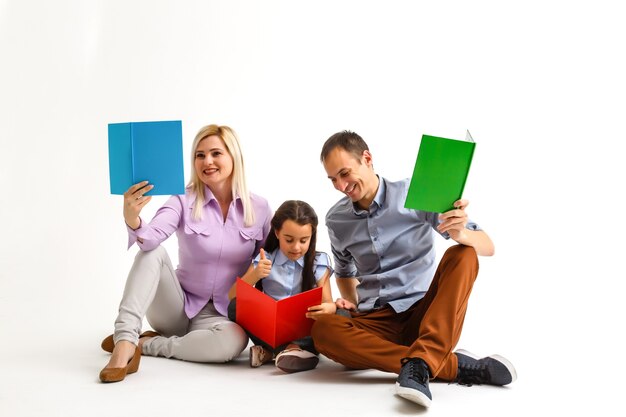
(434, 327)
(369, 340)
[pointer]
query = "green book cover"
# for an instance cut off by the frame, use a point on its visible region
(440, 173)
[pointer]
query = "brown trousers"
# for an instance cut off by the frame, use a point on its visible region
(429, 329)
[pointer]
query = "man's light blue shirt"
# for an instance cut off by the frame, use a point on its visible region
(389, 249)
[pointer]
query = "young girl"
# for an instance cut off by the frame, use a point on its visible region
(289, 265)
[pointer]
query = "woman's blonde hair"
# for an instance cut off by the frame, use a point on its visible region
(239, 185)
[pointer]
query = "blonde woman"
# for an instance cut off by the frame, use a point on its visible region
(220, 228)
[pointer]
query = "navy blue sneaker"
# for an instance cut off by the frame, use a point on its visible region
(412, 382)
(491, 370)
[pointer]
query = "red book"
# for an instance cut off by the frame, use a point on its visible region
(275, 322)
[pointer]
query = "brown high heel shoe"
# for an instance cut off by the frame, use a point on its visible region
(118, 374)
(107, 344)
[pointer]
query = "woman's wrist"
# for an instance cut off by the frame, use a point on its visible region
(134, 224)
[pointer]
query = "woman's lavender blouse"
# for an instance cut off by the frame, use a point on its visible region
(212, 252)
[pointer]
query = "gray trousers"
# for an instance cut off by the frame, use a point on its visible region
(152, 290)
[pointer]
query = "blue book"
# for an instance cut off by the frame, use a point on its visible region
(152, 151)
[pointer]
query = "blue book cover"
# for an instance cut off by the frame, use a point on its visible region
(152, 151)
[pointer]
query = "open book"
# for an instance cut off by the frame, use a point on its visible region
(151, 151)
(275, 322)
(440, 173)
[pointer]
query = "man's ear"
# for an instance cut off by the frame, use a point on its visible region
(367, 159)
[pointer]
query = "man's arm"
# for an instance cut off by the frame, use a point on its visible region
(454, 222)
(347, 289)
(477, 239)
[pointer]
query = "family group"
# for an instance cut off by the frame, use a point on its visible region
(399, 310)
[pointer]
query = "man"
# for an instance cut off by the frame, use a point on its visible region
(406, 313)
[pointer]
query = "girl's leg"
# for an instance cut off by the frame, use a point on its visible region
(306, 343)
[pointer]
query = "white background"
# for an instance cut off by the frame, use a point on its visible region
(539, 84)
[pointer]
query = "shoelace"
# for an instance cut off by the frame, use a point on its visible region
(417, 372)
(472, 374)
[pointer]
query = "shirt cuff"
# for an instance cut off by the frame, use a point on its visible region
(133, 234)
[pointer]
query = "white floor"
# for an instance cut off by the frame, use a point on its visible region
(61, 380)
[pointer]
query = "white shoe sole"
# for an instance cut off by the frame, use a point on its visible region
(413, 395)
(505, 361)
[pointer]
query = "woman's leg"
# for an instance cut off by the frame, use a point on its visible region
(211, 337)
(151, 278)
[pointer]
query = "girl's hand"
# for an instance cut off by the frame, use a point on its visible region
(264, 267)
(134, 202)
(324, 308)
(345, 304)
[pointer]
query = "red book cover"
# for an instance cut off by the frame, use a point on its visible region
(275, 322)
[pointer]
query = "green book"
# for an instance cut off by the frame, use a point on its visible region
(440, 173)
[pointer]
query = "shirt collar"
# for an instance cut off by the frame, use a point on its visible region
(208, 197)
(377, 203)
(281, 259)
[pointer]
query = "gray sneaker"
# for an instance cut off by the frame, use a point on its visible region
(412, 382)
(491, 370)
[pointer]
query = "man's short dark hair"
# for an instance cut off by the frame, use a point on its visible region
(346, 140)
